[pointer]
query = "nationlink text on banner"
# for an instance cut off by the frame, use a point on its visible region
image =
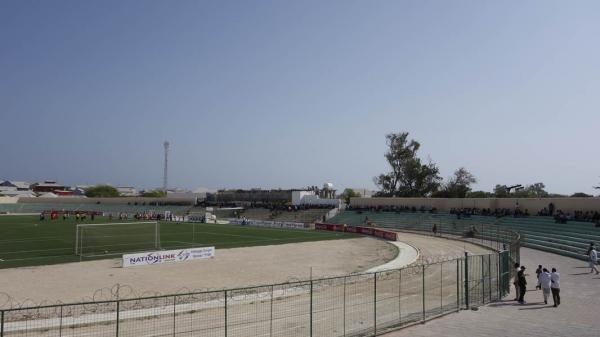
(167, 256)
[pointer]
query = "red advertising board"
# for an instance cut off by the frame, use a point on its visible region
(380, 233)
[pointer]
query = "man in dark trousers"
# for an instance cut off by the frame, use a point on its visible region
(555, 287)
(522, 284)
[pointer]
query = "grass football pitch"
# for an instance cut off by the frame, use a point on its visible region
(29, 241)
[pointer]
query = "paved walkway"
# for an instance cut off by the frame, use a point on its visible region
(577, 316)
(407, 255)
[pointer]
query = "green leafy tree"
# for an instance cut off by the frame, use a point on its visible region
(480, 194)
(408, 177)
(347, 194)
(458, 185)
(536, 190)
(154, 194)
(101, 191)
(501, 191)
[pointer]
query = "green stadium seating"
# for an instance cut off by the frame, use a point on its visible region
(543, 233)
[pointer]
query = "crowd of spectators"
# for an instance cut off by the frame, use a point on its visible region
(497, 212)
(558, 215)
(395, 209)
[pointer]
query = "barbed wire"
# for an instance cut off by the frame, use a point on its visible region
(135, 298)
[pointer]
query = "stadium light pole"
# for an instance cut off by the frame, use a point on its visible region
(166, 145)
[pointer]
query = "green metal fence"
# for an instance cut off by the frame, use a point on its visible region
(353, 305)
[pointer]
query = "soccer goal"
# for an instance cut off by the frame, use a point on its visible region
(116, 238)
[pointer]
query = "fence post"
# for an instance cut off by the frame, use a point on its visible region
(441, 288)
(400, 296)
(311, 308)
(457, 284)
(467, 280)
(423, 270)
(482, 281)
(225, 313)
(60, 322)
(2, 323)
(499, 276)
(271, 321)
(374, 304)
(490, 274)
(344, 306)
(174, 313)
(118, 314)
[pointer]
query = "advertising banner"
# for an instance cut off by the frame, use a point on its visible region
(167, 256)
(376, 232)
(268, 223)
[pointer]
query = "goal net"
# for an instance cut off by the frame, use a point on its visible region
(116, 238)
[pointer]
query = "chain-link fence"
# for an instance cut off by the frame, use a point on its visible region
(352, 305)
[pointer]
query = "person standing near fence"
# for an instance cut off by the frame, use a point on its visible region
(555, 287)
(545, 280)
(516, 281)
(522, 285)
(593, 261)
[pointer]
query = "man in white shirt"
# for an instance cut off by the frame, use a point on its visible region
(593, 261)
(545, 283)
(555, 287)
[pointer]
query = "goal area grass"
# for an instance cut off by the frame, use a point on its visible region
(26, 240)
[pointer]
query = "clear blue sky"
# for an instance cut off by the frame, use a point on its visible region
(295, 93)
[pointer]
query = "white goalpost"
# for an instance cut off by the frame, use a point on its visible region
(116, 238)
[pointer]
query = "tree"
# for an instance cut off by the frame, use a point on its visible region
(154, 194)
(408, 176)
(459, 185)
(581, 195)
(101, 191)
(536, 190)
(501, 191)
(479, 194)
(347, 194)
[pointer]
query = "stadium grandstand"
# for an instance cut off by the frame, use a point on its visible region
(566, 232)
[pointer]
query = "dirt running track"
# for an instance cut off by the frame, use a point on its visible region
(342, 306)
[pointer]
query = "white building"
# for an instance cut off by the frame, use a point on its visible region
(364, 192)
(310, 198)
(127, 191)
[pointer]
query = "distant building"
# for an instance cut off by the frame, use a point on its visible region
(127, 191)
(18, 194)
(78, 192)
(48, 186)
(61, 193)
(48, 195)
(17, 185)
(364, 193)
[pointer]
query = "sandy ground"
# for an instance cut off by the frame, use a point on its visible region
(238, 267)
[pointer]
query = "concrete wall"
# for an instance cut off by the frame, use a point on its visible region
(115, 201)
(444, 204)
(8, 200)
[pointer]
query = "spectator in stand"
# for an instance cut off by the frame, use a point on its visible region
(550, 209)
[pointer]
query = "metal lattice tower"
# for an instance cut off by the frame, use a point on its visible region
(166, 167)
